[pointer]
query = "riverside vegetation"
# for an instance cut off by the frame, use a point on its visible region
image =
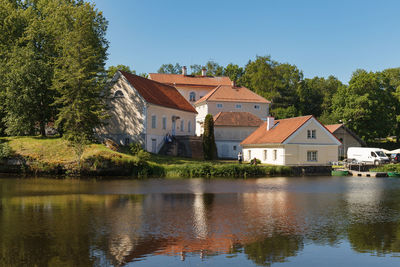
(55, 156)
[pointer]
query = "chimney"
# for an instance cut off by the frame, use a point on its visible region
(233, 84)
(204, 72)
(270, 123)
(184, 71)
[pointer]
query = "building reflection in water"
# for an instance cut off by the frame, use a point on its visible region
(269, 223)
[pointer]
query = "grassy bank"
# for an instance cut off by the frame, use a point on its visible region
(387, 168)
(55, 156)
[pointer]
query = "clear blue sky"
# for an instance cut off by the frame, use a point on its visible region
(321, 38)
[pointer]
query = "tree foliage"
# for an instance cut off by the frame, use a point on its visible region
(170, 69)
(113, 69)
(209, 146)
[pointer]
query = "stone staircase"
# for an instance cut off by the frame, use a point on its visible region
(184, 146)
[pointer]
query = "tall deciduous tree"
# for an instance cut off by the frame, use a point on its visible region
(209, 146)
(363, 105)
(79, 74)
(275, 81)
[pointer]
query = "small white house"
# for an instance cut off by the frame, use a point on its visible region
(294, 141)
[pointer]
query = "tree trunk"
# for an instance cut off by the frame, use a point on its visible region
(42, 129)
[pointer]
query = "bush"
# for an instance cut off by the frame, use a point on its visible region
(135, 148)
(5, 151)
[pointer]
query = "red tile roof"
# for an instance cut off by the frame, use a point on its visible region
(228, 93)
(333, 127)
(241, 119)
(158, 93)
(282, 130)
(189, 80)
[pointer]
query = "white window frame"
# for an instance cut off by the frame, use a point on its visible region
(154, 121)
(275, 154)
(311, 134)
(219, 105)
(256, 106)
(265, 154)
(238, 106)
(312, 156)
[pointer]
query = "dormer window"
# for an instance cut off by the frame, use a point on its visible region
(238, 106)
(118, 94)
(192, 96)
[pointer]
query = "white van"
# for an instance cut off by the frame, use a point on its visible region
(367, 155)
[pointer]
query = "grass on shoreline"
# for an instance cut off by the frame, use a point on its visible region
(54, 155)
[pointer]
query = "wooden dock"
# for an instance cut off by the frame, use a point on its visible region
(368, 174)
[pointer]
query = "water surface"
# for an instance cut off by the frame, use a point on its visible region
(314, 221)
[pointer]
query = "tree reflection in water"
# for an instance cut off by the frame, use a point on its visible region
(87, 224)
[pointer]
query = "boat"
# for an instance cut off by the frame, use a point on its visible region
(393, 174)
(340, 172)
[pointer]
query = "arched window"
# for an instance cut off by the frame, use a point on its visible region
(118, 94)
(192, 96)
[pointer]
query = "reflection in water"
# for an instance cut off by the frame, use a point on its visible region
(77, 223)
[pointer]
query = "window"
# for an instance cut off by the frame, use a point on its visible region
(127, 141)
(256, 106)
(189, 126)
(118, 94)
(249, 154)
(234, 148)
(219, 105)
(192, 96)
(311, 134)
(275, 154)
(154, 121)
(312, 156)
(182, 125)
(373, 154)
(238, 106)
(265, 154)
(164, 123)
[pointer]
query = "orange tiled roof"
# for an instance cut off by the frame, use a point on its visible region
(241, 119)
(282, 130)
(333, 127)
(228, 93)
(179, 79)
(158, 93)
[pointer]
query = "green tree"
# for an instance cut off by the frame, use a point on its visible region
(79, 75)
(209, 146)
(391, 84)
(363, 106)
(276, 82)
(234, 72)
(170, 68)
(113, 69)
(28, 63)
(212, 69)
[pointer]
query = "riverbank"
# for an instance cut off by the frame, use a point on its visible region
(54, 156)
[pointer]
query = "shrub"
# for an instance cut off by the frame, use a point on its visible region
(135, 148)
(5, 151)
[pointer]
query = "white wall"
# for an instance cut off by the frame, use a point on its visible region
(259, 154)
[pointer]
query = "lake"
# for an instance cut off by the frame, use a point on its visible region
(296, 221)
